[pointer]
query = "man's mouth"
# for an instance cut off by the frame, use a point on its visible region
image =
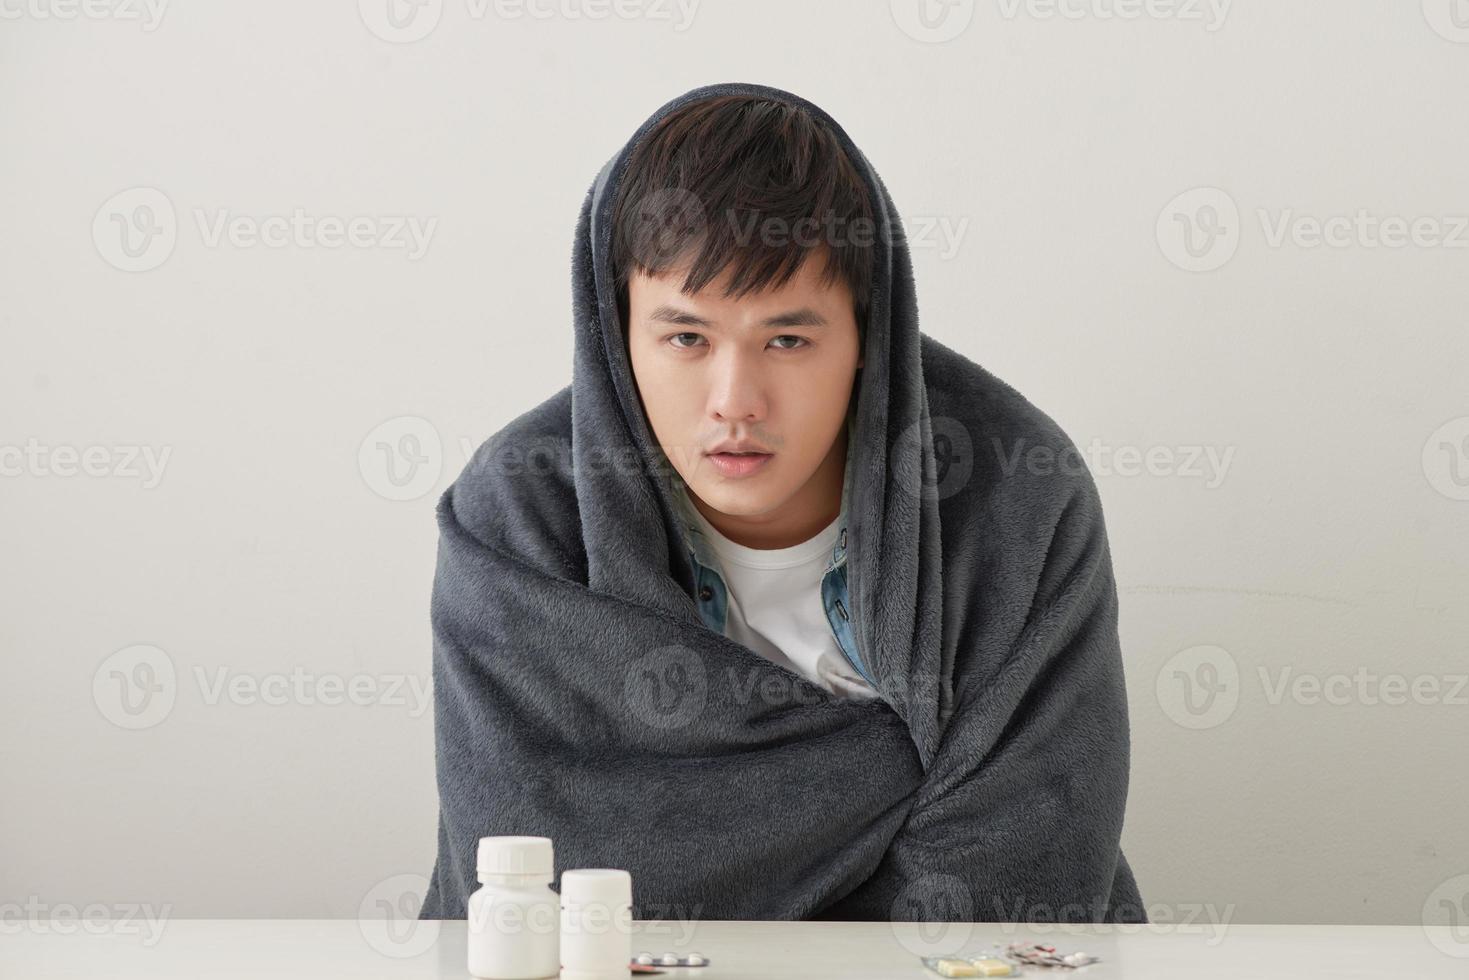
(739, 464)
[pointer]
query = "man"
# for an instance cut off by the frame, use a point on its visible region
(773, 606)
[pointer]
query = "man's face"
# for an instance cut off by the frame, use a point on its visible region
(773, 368)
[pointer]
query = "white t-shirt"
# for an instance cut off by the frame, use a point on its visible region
(775, 607)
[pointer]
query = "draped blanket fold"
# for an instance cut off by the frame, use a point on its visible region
(579, 696)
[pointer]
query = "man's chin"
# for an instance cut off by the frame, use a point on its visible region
(734, 498)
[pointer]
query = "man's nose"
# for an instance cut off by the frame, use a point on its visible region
(737, 390)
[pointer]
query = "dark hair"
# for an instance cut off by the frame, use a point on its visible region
(736, 178)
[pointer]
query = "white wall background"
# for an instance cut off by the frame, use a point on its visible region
(1335, 539)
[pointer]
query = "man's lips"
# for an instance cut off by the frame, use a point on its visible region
(739, 449)
(739, 464)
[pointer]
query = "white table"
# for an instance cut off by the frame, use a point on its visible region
(196, 948)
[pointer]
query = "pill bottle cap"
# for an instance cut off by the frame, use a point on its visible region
(515, 856)
(600, 886)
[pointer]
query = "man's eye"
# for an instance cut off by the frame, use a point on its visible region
(796, 342)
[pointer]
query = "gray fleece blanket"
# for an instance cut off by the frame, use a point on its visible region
(579, 696)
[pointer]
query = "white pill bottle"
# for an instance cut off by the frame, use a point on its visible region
(514, 918)
(596, 924)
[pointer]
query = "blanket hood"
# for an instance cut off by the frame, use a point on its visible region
(894, 545)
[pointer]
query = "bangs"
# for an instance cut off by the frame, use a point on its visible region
(749, 184)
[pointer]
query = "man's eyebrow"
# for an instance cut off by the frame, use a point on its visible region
(803, 317)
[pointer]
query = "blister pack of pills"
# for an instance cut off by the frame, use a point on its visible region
(670, 959)
(978, 966)
(1034, 954)
(1006, 961)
